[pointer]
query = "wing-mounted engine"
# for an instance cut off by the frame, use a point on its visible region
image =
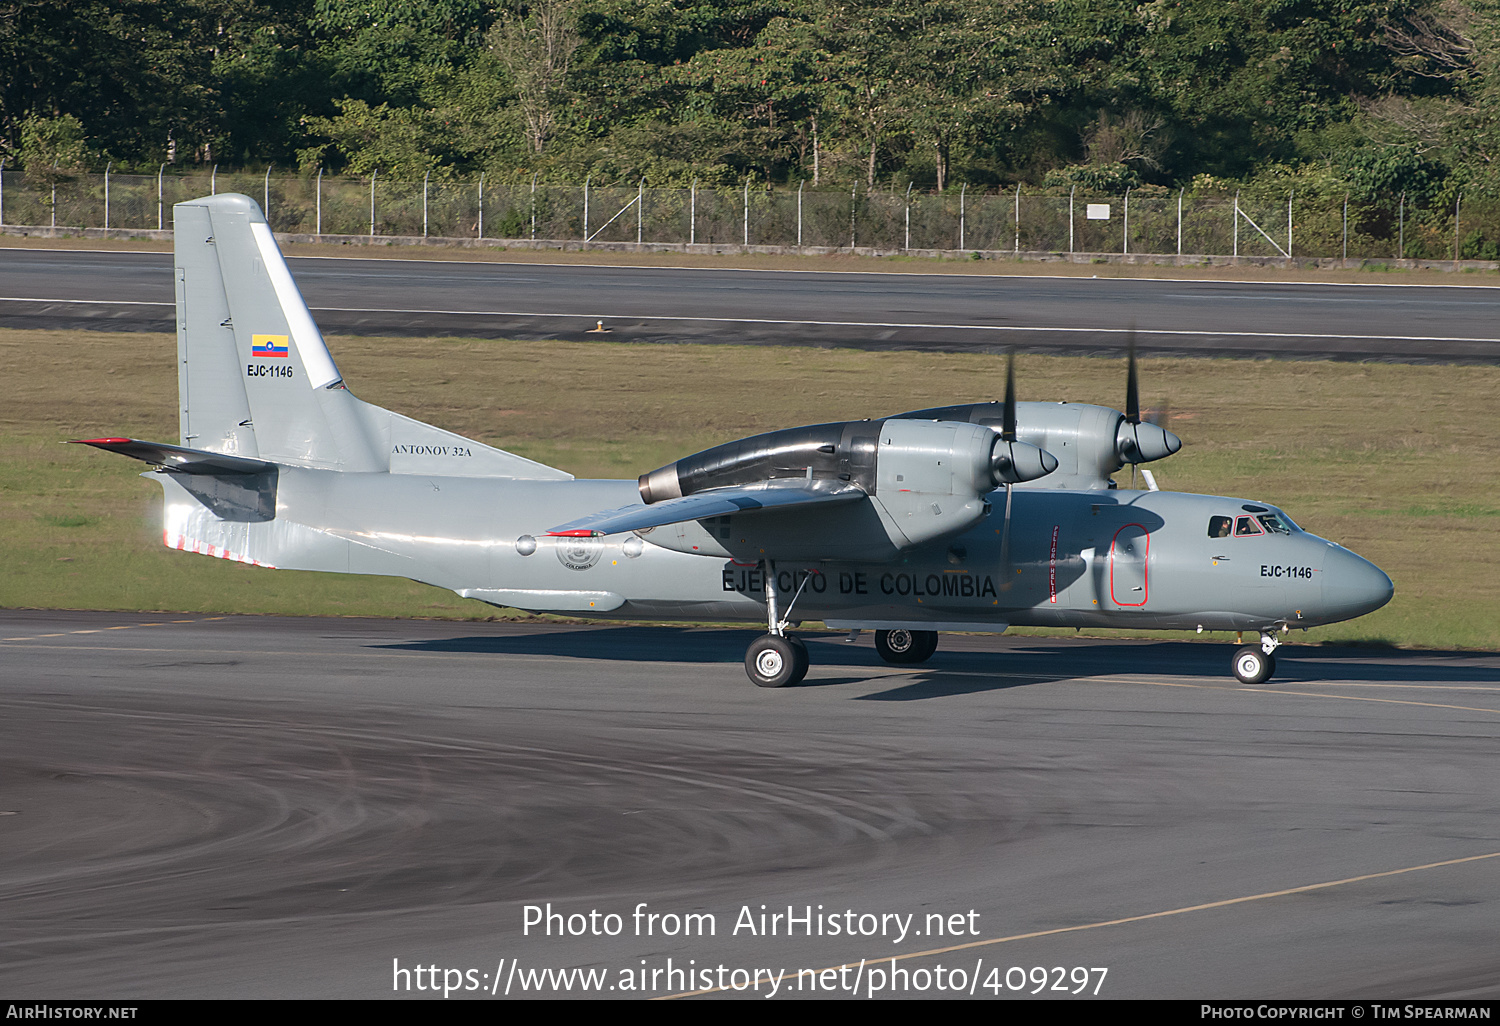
(855, 490)
(1090, 442)
(933, 476)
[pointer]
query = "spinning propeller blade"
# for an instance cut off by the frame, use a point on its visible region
(1008, 422)
(1008, 433)
(1138, 440)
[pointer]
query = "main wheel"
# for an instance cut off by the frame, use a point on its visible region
(904, 646)
(1253, 666)
(774, 662)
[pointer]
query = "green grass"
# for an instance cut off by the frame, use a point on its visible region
(1396, 462)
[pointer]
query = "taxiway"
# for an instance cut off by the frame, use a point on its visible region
(265, 807)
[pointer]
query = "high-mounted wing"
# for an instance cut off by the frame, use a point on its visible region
(851, 490)
(701, 505)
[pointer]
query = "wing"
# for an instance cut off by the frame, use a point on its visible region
(712, 503)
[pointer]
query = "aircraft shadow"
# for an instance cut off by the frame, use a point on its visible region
(961, 667)
(956, 673)
(621, 644)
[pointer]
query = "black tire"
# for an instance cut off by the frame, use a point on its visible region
(799, 648)
(773, 662)
(1253, 666)
(902, 646)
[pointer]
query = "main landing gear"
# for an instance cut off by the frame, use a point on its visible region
(1254, 664)
(775, 660)
(902, 646)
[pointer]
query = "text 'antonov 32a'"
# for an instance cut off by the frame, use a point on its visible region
(960, 518)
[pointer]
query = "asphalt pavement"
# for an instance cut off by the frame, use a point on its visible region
(955, 312)
(196, 806)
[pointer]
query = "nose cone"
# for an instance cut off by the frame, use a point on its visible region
(1352, 586)
(1144, 442)
(1014, 462)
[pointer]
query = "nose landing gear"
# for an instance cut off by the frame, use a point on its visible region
(1254, 664)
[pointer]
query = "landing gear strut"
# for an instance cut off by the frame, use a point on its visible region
(775, 660)
(1254, 664)
(905, 646)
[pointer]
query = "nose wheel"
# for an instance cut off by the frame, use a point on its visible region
(1254, 664)
(903, 646)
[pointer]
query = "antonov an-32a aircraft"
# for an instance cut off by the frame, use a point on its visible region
(960, 518)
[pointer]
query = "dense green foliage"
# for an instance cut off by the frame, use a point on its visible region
(1373, 96)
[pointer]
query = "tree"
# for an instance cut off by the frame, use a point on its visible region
(401, 141)
(537, 51)
(136, 72)
(973, 68)
(52, 148)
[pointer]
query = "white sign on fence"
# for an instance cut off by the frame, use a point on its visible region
(1098, 212)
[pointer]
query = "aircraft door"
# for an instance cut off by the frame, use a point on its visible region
(1129, 567)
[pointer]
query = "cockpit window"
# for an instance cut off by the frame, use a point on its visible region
(1246, 526)
(1218, 527)
(1273, 524)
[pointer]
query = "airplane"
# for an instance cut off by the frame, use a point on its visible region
(969, 518)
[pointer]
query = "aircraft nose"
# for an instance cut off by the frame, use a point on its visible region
(1353, 586)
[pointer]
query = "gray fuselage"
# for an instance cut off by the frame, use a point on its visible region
(1095, 558)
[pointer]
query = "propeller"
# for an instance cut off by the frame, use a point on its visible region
(1138, 441)
(1008, 435)
(1013, 461)
(1008, 412)
(1132, 395)
(1161, 415)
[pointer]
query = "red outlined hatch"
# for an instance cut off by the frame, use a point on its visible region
(1129, 558)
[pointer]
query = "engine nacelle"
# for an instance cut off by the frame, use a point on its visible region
(832, 456)
(932, 476)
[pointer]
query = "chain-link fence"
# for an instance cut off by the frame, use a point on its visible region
(1150, 222)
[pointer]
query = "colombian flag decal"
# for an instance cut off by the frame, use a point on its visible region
(269, 345)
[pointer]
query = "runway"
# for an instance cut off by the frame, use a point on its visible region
(949, 312)
(198, 806)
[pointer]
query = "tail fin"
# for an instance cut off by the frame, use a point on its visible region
(256, 380)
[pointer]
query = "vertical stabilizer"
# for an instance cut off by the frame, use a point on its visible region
(255, 378)
(236, 300)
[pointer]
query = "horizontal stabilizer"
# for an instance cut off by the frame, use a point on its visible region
(715, 502)
(177, 457)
